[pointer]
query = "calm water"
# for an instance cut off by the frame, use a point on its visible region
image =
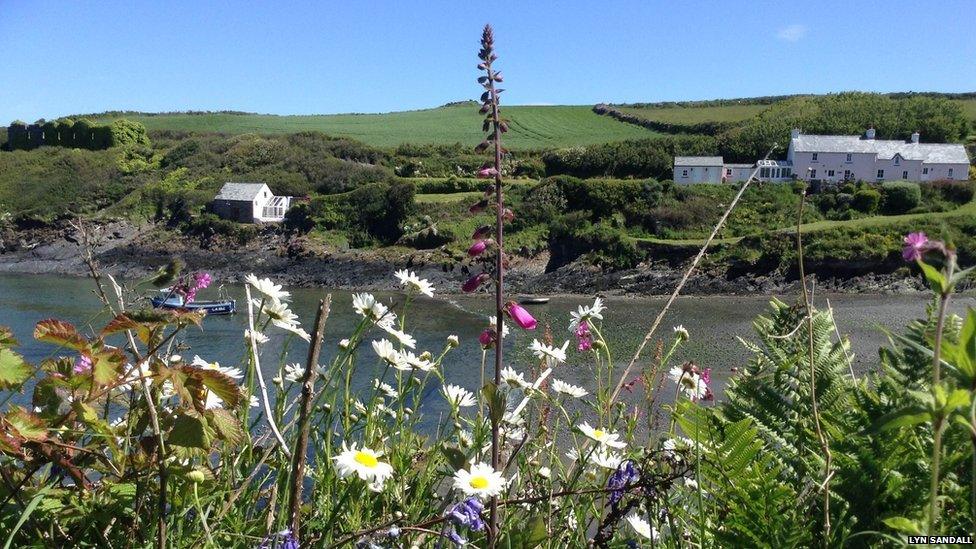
(715, 324)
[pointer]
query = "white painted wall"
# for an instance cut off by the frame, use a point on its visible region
(688, 175)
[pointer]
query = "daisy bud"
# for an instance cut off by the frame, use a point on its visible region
(453, 341)
(196, 477)
(474, 282)
(520, 316)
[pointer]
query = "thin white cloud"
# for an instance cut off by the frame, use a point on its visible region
(792, 33)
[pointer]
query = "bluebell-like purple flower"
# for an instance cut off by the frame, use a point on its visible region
(625, 475)
(284, 539)
(468, 514)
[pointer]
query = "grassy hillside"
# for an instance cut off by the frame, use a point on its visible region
(531, 127)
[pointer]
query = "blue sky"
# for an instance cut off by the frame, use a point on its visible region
(359, 56)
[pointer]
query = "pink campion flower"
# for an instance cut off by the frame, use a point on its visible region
(83, 365)
(583, 336)
(914, 245)
(478, 247)
(520, 316)
(486, 172)
(474, 282)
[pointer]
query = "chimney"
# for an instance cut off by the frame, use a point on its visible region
(870, 133)
(795, 133)
(915, 136)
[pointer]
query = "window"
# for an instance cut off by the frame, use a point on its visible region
(925, 171)
(849, 155)
(904, 174)
(728, 171)
(950, 172)
(847, 175)
(684, 173)
(880, 174)
(830, 173)
(813, 174)
(764, 172)
(787, 172)
(776, 173)
(814, 157)
(897, 160)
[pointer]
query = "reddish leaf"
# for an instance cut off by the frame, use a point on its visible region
(60, 333)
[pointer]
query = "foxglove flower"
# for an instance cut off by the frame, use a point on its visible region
(520, 316)
(486, 172)
(584, 339)
(474, 282)
(478, 247)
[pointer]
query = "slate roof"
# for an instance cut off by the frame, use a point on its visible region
(698, 161)
(740, 165)
(932, 153)
(244, 192)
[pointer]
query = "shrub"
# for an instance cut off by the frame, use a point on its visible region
(866, 200)
(899, 196)
(957, 192)
(543, 203)
(573, 235)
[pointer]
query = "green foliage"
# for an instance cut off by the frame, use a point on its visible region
(899, 197)
(866, 201)
(378, 210)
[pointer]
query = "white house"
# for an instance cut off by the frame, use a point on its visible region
(834, 158)
(698, 169)
(249, 203)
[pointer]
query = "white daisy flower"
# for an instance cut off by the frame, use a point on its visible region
(562, 387)
(386, 389)
(603, 457)
(545, 472)
(601, 436)
(681, 332)
(480, 481)
(234, 373)
(641, 527)
(359, 406)
(691, 483)
(513, 379)
(458, 397)
(552, 355)
(492, 321)
(267, 287)
(411, 281)
(252, 402)
(593, 312)
(404, 338)
(259, 338)
(365, 464)
(453, 341)
(283, 317)
(343, 344)
(386, 352)
(689, 382)
(367, 305)
(294, 372)
(411, 361)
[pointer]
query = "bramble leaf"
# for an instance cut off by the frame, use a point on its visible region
(60, 333)
(13, 369)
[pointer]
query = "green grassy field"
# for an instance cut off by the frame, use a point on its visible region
(696, 115)
(530, 128)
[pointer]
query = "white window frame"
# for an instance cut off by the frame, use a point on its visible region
(814, 158)
(880, 174)
(925, 171)
(950, 172)
(904, 175)
(849, 157)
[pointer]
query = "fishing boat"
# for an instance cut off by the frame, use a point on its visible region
(167, 299)
(533, 300)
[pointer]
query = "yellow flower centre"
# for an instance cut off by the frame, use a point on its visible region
(598, 433)
(363, 458)
(478, 482)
